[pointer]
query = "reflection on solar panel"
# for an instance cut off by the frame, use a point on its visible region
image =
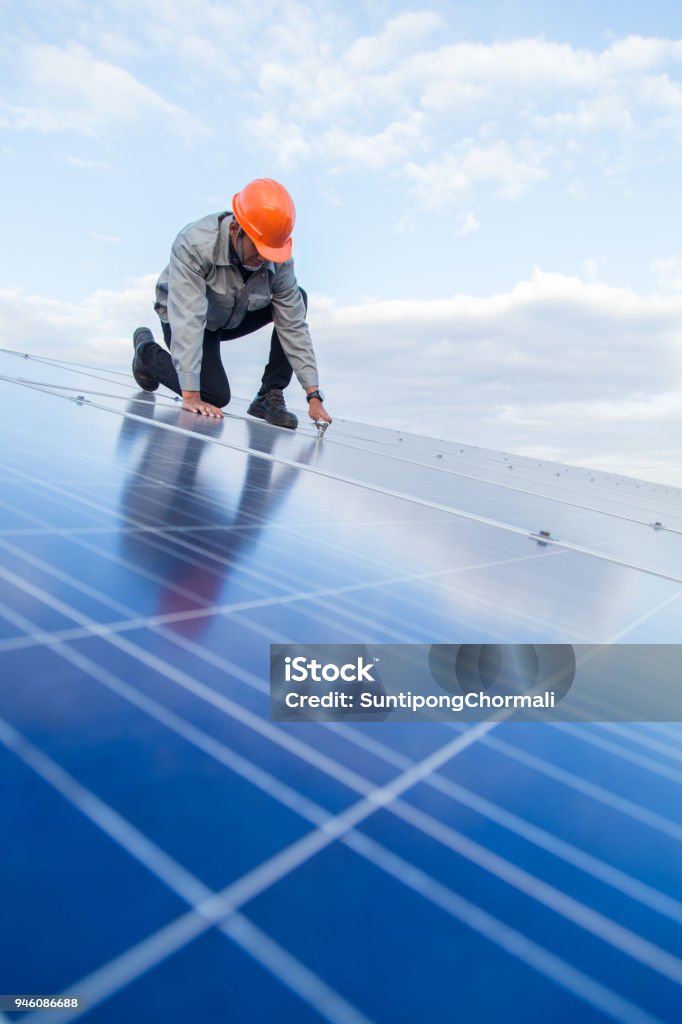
(170, 854)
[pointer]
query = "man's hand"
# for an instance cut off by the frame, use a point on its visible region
(317, 411)
(192, 401)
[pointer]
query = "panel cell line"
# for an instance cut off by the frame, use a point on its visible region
(172, 854)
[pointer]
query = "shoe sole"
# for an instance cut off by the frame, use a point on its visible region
(259, 414)
(142, 380)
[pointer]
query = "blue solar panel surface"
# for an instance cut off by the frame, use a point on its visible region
(170, 854)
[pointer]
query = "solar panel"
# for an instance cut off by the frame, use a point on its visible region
(175, 855)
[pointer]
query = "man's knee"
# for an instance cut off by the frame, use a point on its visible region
(220, 398)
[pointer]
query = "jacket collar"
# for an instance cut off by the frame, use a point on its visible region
(221, 253)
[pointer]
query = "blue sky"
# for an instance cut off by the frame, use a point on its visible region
(488, 200)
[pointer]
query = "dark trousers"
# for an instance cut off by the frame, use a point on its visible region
(214, 385)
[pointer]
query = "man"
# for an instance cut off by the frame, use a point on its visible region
(228, 275)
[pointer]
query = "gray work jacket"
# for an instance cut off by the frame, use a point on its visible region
(200, 288)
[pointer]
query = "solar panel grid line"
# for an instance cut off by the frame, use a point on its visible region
(208, 745)
(496, 524)
(81, 392)
(620, 880)
(593, 768)
(202, 653)
(165, 531)
(167, 947)
(40, 638)
(84, 456)
(552, 966)
(436, 577)
(385, 632)
(62, 363)
(66, 364)
(204, 692)
(183, 591)
(617, 802)
(124, 609)
(183, 545)
(564, 974)
(283, 965)
(101, 814)
(614, 801)
(620, 938)
(389, 455)
(626, 884)
(616, 935)
(641, 760)
(186, 885)
(344, 779)
(667, 729)
(675, 753)
(441, 582)
(134, 963)
(443, 573)
(596, 710)
(338, 616)
(143, 527)
(138, 570)
(440, 469)
(38, 386)
(625, 631)
(664, 494)
(487, 452)
(306, 596)
(654, 505)
(545, 554)
(633, 738)
(494, 458)
(332, 828)
(603, 710)
(498, 483)
(199, 651)
(101, 629)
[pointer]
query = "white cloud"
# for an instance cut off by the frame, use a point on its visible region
(98, 329)
(598, 114)
(377, 151)
(579, 371)
(584, 372)
(295, 81)
(468, 224)
(591, 267)
(400, 96)
(668, 273)
(456, 173)
(68, 89)
(286, 138)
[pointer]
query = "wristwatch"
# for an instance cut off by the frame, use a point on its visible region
(315, 394)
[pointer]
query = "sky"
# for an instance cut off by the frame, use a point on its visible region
(488, 201)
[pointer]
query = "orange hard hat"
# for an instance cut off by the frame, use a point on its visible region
(266, 212)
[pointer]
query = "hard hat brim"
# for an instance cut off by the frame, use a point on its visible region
(274, 255)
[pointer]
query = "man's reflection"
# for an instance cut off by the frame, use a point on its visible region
(181, 529)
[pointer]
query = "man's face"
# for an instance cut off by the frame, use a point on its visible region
(246, 250)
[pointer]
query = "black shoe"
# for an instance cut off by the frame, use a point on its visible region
(143, 336)
(271, 408)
